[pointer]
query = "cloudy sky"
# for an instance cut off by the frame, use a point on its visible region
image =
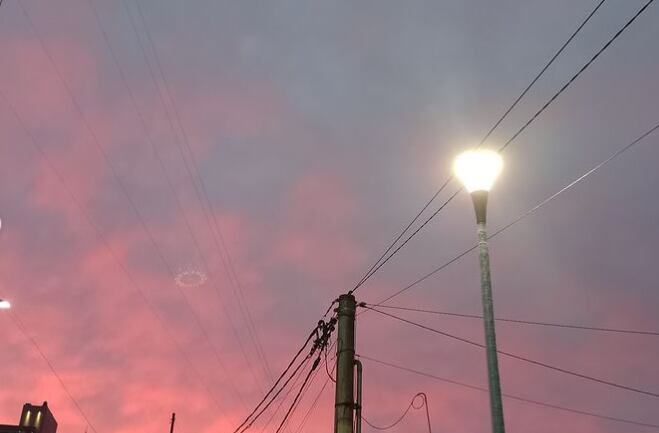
(315, 131)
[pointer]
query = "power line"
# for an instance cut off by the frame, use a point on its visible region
(414, 233)
(523, 215)
(311, 375)
(304, 393)
(281, 377)
(313, 405)
(542, 71)
(518, 321)
(390, 426)
(507, 143)
(256, 413)
(398, 420)
(322, 332)
(299, 393)
(202, 196)
(125, 192)
(106, 244)
(177, 200)
(34, 343)
(522, 358)
(509, 396)
(329, 375)
(265, 426)
(282, 400)
(313, 378)
(374, 268)
(577, 74)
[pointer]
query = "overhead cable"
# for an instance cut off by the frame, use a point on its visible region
(322, 334)
(311, 408)
(508, 396)
(170, 183)
(523, 215)
(400, 418)
(256, 414)
(577, 74)
(310, 377)
(313, 405)
(521, 358)
(201, 193)
(124, 190)
(299, 393)
(282, 400)
(279, 379)
(14, 318)
(106, 244)
(290, 390)
(374, 268)
(385, 258)
(522, 322)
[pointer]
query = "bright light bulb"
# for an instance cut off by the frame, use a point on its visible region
(4, 305)
(478, 169)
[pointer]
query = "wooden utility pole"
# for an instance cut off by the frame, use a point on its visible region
(345, 363)
(171, 426)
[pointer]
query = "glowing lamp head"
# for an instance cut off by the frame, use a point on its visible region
(478, 169)
(4, 305)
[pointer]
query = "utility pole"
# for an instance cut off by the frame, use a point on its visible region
(171, 426)
(345, 364)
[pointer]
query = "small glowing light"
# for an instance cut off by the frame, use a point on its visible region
(478, 169)
(4, 305)
(190, 278)
(38, 420)
(26, 422)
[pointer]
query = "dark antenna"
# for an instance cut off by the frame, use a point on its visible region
(171, 426)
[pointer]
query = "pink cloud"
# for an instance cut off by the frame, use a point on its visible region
(319, 212)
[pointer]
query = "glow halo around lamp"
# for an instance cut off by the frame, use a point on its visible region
(478, 169)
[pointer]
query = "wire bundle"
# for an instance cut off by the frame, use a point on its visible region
(322, 333)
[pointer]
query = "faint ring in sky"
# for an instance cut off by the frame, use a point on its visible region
(190, 278)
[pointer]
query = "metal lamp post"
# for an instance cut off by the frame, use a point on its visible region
(478, 169)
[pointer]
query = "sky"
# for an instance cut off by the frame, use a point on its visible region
(275, 149)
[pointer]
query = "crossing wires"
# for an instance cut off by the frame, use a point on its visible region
(320, 336)
(526, 214)
(191, 165)
(106, 244)
(175, 195)
(506, 395)
(388, 254)
(520, 357)
(124, 189)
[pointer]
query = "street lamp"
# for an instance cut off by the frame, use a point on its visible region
(4, 305)
(478, 169)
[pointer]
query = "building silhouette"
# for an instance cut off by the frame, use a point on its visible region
(34, 419)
